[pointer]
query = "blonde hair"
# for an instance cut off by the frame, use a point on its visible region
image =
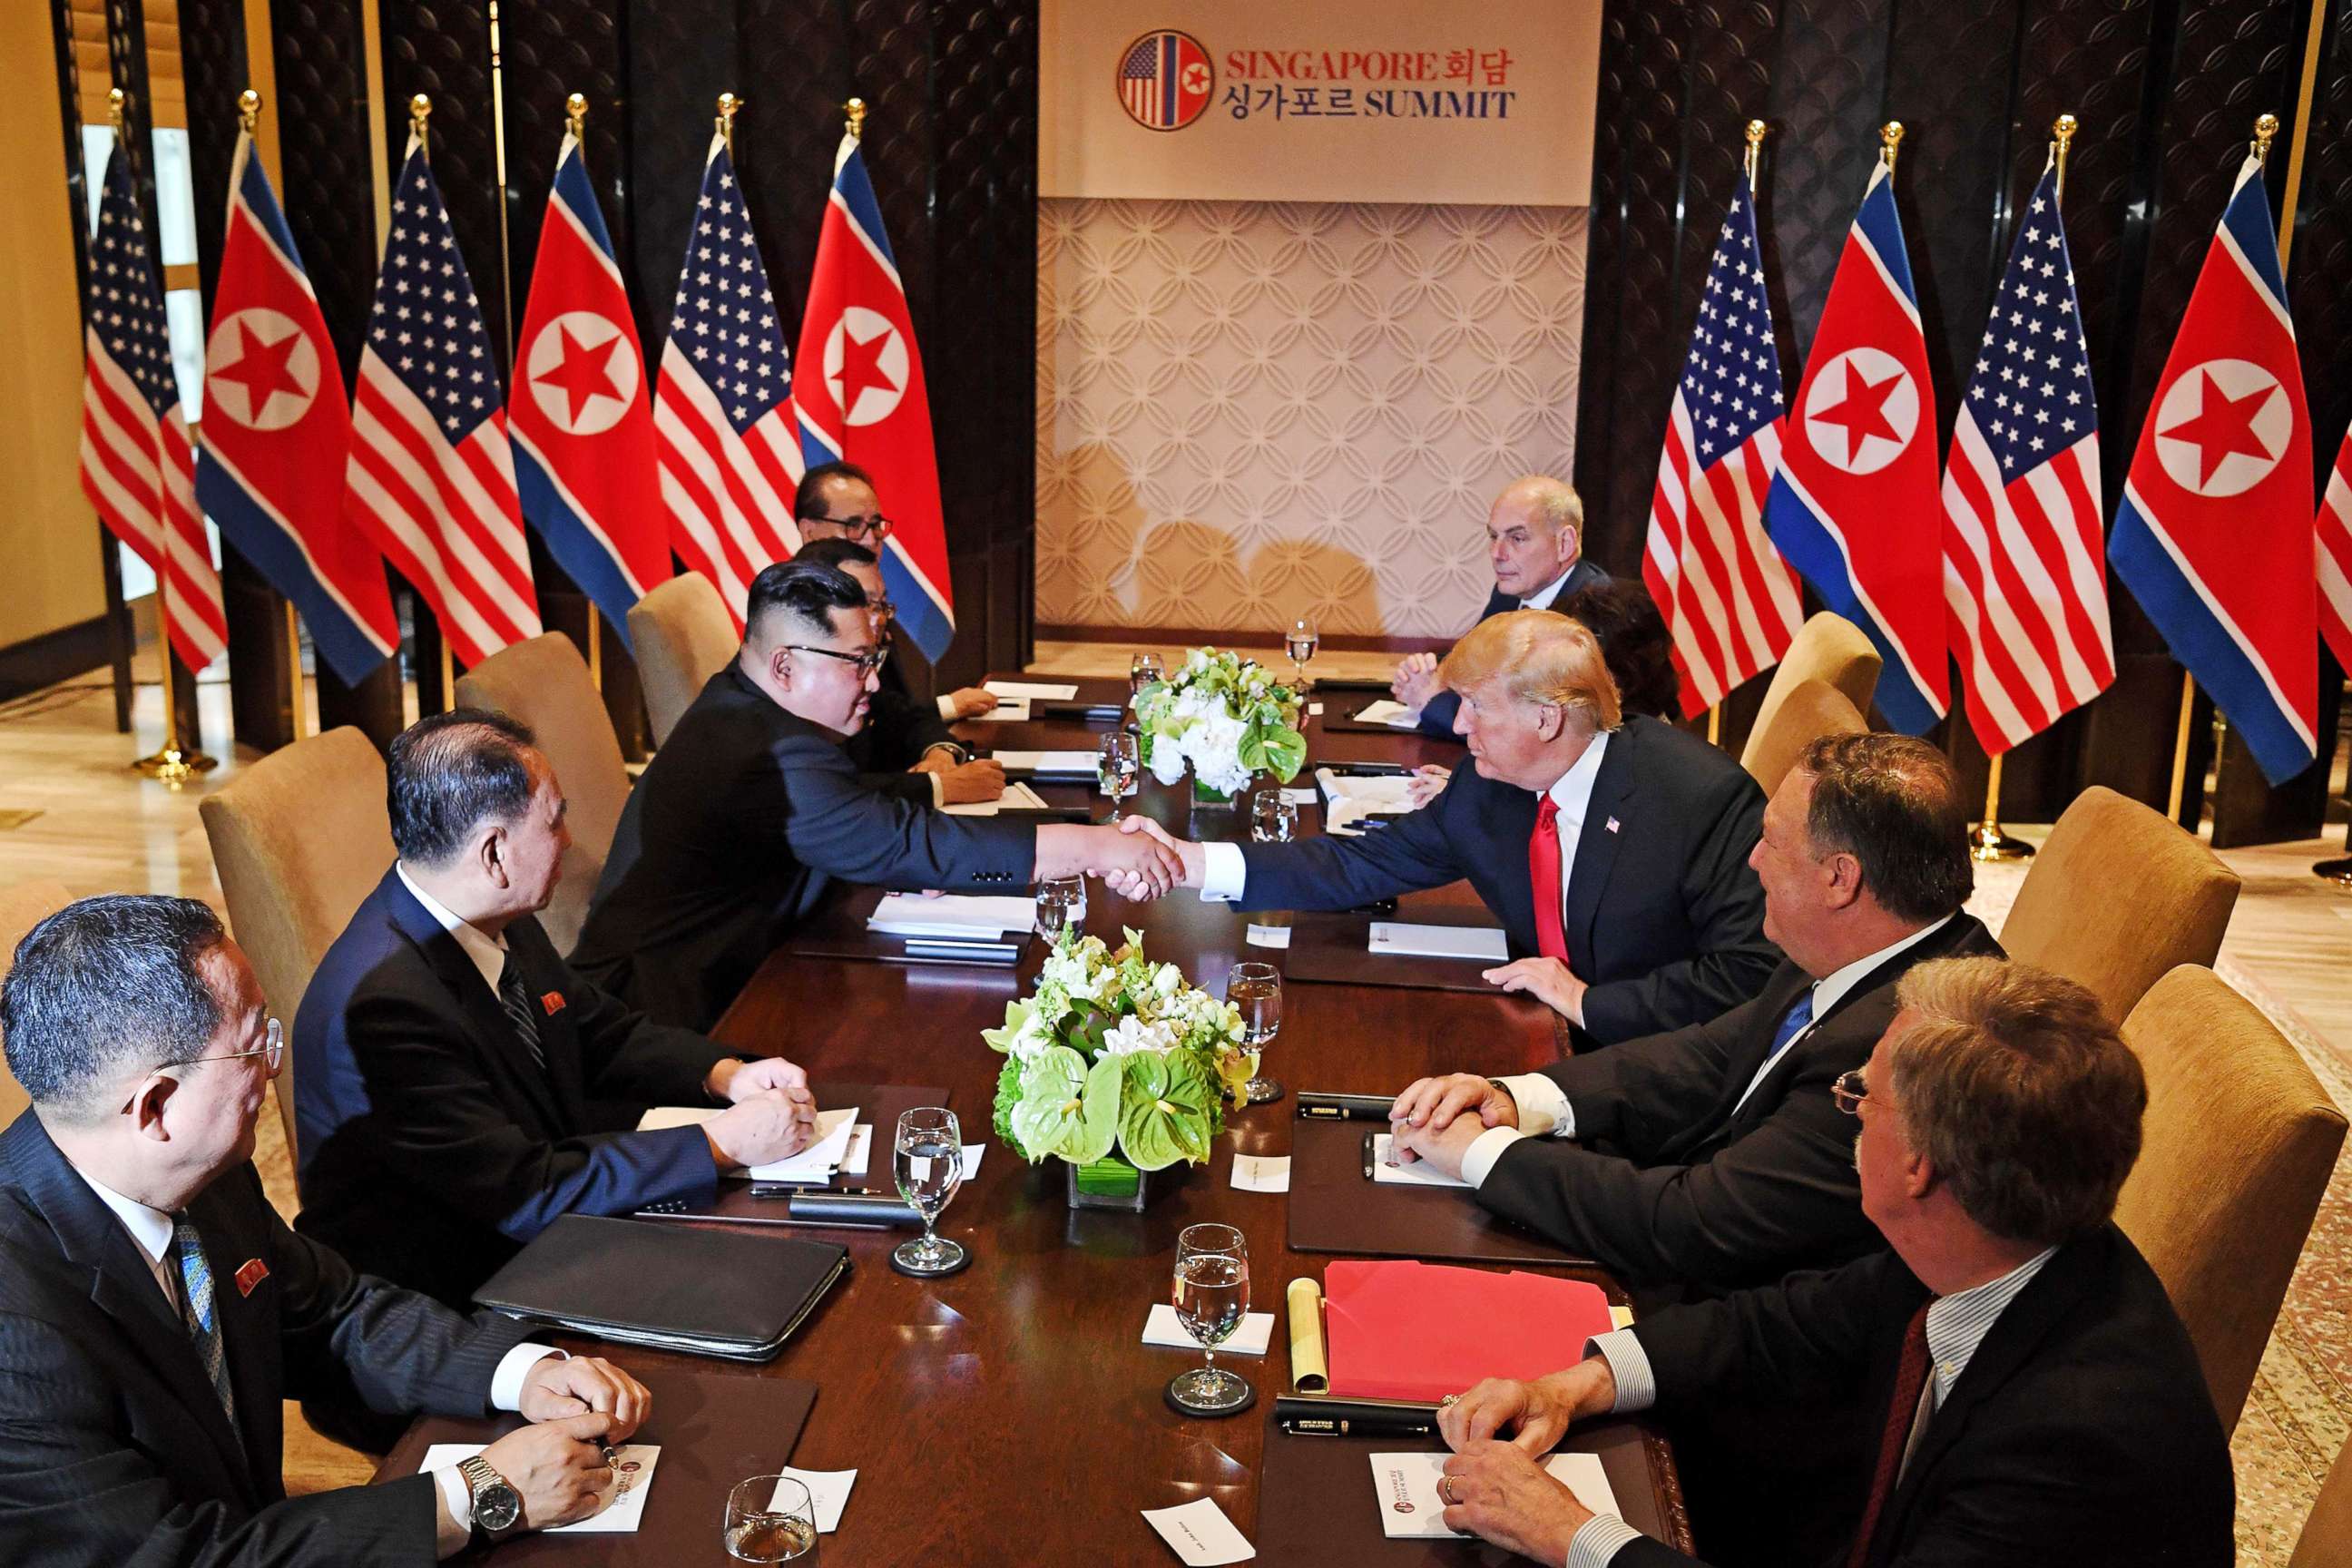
(1542, 656)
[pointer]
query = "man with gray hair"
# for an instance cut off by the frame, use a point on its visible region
(456, 1084)
(2012, 1375)
(155, 1310)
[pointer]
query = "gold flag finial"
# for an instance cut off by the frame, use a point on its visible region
(2062, 139)
(855, 109)
(248, 109)
(1890, 138)
(2265, 129)
(729, 107)
(117, 104)
(576, 113)
(1755, 129)
(420, 110)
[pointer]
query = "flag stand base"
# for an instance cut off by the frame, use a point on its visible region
(173, 766)
(2337, 871)
(1987, 842)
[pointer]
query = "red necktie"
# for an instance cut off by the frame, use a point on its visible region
(1902, 1411)
(1543, 873)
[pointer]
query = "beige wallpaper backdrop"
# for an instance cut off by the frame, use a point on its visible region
(1248, 412)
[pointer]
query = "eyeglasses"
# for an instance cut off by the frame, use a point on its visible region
(867, 663)
(272, 1052)
(1849, 1090)
(858, 529)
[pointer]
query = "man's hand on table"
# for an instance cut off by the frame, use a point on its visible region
(1441, 1148)
(1500, 1431)
(733, 1080)
(1548, 980)
(760, 1126)
(558, 1386)
(1426, 784)
(969, 701)
(559, 1467)
(965, 784)
(1415, 681)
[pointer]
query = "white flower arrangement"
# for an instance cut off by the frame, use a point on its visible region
(1224, 717)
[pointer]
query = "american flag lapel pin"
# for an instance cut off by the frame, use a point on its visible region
(1612, 825)
(250, 1274)
(552, 1003)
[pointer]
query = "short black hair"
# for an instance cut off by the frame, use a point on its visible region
(1624, 620)
(803, 594)
(104, 988)
(451, 773)
(808, 501)
(837, 553)
(1894, 803)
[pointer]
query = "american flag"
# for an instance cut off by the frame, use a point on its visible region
(2025, 586)
(1727, 596)
(137, 467)
(2335, 541)
(725, 434)
(432, 475)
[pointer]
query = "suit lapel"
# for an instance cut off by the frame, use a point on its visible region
(1505, 816)
(1597, 845)
(494, 1032)
(1772, 1004)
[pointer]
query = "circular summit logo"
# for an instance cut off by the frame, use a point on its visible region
(1165, 81)
(261, 370)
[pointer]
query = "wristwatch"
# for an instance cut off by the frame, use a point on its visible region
(497, 1507)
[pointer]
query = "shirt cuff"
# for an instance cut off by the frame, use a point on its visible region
(938, 791)
(453, 1521)
(947, 706)
(1637, 1385)
(1226, 874)
(506, 1383)
(1478, 1160)
(1598, 1540)
(1543, 1108)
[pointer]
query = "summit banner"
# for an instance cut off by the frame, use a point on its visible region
(1320, 101)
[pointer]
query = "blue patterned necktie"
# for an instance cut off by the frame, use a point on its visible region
(204, 1322)
(1792, 1026)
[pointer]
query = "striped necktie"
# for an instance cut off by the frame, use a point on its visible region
(196, 1311)
(521, 1011)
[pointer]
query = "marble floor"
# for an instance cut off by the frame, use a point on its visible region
(71, 811)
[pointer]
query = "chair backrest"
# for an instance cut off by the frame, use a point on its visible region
(22, 907)
(544, 682)
(299, 838)
(2326, 1540)
(1826, 648)
(2237, 1147)
(1812, 709)
(2118, 897)
(682, 635)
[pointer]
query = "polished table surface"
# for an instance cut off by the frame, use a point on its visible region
(1010, 1413)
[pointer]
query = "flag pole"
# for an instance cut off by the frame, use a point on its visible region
(420, 111)
(1990, 842)
(575, 123)
(1755, 135)
(2265, 128)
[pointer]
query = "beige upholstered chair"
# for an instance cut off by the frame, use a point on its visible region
(682, 635)
(2118, 897)
(1827, 647)
(544, 682)
(299, 838)
(2237, 1145)
(22, 907)
(2326, 1540)
(1811, 708)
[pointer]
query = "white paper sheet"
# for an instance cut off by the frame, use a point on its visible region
(1349, 797)
(1200, 1533)
(861, 1148)
(1262, 1172)
(1269, 936)
(1048, 765)
(1045, 690)
(829, 1489)
(1403, 939)
(1008, 710)
(971, 1153)
(1406, 1485)
(1303, 795)
(1420, 1174)
(1315, 710)
(620, 1517)
(952, 914)
(1387, 711)
(1017, 796)
(820, 1160)
(1161, 1328)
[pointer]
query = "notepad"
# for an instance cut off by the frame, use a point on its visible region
(1420, 1174)
(952, 915)
(632, 1463)
(1045, 690)
(1050, 765)
(1350, 797)
(1387, 711)
(1411, 1508)
(1405, 1330)
(1403, 939)
(1017, 796)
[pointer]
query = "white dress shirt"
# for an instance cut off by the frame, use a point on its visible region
(1543, 1106)
(488, 953)
(1541, 599)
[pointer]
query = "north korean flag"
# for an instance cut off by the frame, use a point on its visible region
(582, 420)
(277, 432)
(1854, 505)
(2213, 534)
(859, 393)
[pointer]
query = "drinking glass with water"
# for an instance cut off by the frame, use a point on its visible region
(771, 1519)
(927, 1163)
(1212, 1296)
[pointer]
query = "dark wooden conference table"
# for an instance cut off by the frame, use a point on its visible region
(1010, 1414)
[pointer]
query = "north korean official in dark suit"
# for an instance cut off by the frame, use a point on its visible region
(2012, 1374)
(1535, 542)
(1711, 1158)
(749, 811)
(1614, 850)
(456, 1086)
(155, 1312)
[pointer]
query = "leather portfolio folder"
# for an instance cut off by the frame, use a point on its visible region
(674, 1288)
(713, 1429)
(1334, 1208)
(1400, 1328)
(1336, 949)
(879, 1105)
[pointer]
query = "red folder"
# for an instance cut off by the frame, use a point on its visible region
(1401, 1329)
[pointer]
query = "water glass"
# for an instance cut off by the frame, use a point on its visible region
(1300, 642)
(1255, 990)
(927, 1163)
(1056, 913)
(1118, 768)
(1273, 820)
(771, 1519)
(1142, 670)
(1211, 1295)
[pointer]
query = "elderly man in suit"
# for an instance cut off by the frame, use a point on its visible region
(154, 1312)
(2017, 1382)
(1613, 850)
(456, 1084)
(1535, 542)
(750, 810)
(1711, 1157)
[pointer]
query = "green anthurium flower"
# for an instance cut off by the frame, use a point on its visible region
(1016, 1013)
(1169, 1111)
(1065, 1109)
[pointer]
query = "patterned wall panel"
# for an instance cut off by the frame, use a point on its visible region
(442, 48)
(2321, 257)
(679, 56)
(554, 48)
(1598, 453)
(322, 137)
(213, 62)
(1828, 101)
(1249, 412)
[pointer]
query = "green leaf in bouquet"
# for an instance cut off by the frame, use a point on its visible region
(1016, 1013)
(1170, 1110)
(1284, 751)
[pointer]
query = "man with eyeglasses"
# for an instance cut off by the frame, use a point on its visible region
(838, 501)
(2008, 1385)
(751, 811)
(905, 747)
(155, 1312)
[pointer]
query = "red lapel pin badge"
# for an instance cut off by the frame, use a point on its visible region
(252, 1274)
(552, 1002)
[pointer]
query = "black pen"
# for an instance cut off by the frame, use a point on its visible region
(1367, 1154)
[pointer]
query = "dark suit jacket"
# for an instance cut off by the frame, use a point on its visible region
(1437, 714)
(900, 728)
(2081, 1433)
(741, 823)
(432, 1145)
(113, 1447)
(1664, 917)
(1669, 1187)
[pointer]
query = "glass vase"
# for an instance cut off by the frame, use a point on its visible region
(1111, 1183)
